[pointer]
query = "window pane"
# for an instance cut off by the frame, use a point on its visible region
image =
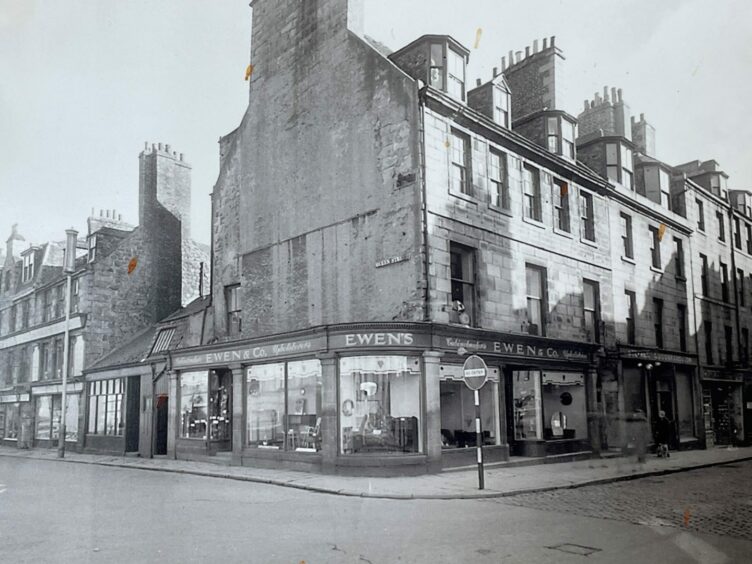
(458, 411)
(380, 405)
(194, 388)
(304, 404)
(266, 405)
(43, 421)
(71, 418)
(220, 405)
(533, 279)
(101, 412)
(527, 405)
(612, 155)
(564, 408)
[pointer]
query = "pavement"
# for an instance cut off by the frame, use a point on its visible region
(500, 481)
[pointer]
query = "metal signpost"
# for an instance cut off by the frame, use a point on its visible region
(475, 373)
(69, 267)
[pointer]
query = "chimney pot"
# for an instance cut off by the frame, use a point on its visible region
(511, 58)
(553, 41)
(632, 119)
(108, 214)
(535, 45)
(477, 82)
(167, 148)
(503, 63)
(545, 43)
(181, 156)
(160, 146)
(527, 51)
(120, 217)
(605, 93)
(518, 56)
(619, 93)
(101, 213)
(587, 104)
(613, 95)
(495, 72)
(642, 117)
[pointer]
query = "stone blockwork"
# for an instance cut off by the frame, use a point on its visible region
(533, 78)
(506, 241)
(348, 163)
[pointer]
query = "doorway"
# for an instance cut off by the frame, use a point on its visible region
(132, 415)
(160, 435)
(722, 406)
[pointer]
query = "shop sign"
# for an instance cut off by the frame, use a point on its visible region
(563, 378)
(656, 356)
(718, 375)
(383, 339)
(246, 354)
(52, 389)
(14, 398)
(513, 349)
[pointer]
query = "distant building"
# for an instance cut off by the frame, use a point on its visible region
(126, 279)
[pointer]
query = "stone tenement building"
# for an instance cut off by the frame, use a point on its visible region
(125, 280)
(377, 219)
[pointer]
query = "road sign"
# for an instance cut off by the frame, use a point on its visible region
(475, 372)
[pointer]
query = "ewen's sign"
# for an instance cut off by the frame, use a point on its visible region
(251, 353)
(379, 339)
(507, 348)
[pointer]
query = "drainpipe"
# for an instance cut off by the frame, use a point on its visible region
(697, 383)
(424, 203)
(736, 283)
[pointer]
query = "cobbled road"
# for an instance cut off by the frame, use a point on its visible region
(715, 500)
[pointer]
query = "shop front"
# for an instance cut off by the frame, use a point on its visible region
(723, 407)
(652, 382)
(377, 398)
(47, 402)
(11, 406)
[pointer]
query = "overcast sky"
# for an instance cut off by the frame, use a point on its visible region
(83, 83)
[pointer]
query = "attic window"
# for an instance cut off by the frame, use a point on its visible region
(501, 106)
(92, 248)
(560, 135)
(28, 267)
(163, 340)
(447, 70)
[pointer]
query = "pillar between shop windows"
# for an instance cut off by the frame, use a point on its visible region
(431, 363)
(593, 412)
(237, 415)
(172, 414)
(328, 411)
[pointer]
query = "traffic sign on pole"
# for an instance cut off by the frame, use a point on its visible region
(475, 373)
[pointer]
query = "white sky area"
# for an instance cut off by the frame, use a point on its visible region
(84, 83)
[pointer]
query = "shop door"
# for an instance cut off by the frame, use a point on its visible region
(160, 435)
(220, 411)
(722, 413)
(132, 414)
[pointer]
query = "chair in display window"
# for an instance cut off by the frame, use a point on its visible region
(310, 436)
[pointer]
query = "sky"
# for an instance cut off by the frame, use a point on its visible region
(84, 83)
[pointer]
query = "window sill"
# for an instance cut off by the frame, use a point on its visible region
(563, 233)
(630, 260)
(503, 211)
(682, 279)
(657, 270)
(722, 241)
(466, 197)
(588, 242)
(534, 222)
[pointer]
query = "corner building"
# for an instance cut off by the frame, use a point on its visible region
(376, 220)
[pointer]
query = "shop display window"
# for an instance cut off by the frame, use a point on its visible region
(564, 407)
(458, 409)
(526, 394)
(9, 417)
(106, 400)
(549, 405)
(47, 420)
(283, 404)
(380, 401)
(194, 391)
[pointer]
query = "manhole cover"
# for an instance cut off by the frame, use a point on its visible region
(575, 549)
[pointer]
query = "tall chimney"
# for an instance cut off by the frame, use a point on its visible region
(71, 239)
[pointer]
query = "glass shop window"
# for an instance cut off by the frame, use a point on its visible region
(283, 406)
(380, 405)
(564, 408)
(458, 409)
(526, 394)
(106, 401)
(47, 420)
(194, 392)
(9, 419)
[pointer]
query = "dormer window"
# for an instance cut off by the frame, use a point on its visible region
(447, 70)
(92, 255)
(501, 106)
(664, 181)
(560, 136)
(28, 267)
(619, 167)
